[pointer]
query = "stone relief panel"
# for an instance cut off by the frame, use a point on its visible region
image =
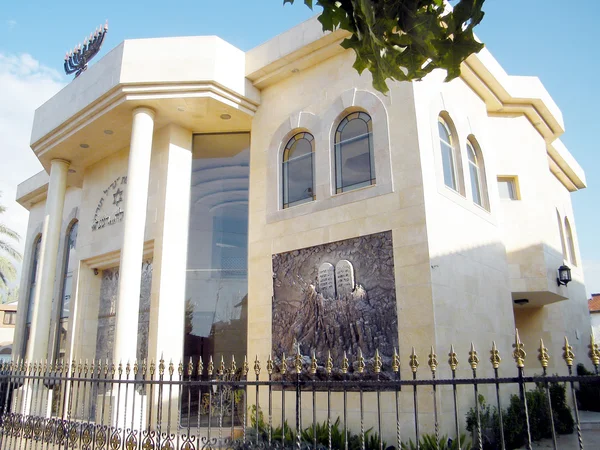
(109, 290)
(336, 297)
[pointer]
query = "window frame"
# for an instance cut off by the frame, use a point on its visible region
(35, 255)
(570, 241)
(60, 320)
(346, 118)
(295, 137)
(479, 166)
(514, 180)
(11, 315)
(446, 123)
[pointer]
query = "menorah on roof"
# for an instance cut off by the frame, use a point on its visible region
(77, 59)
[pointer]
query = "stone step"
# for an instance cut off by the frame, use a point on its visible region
(590, 426)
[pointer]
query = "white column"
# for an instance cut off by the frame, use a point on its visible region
(37, 347)
(138, 174)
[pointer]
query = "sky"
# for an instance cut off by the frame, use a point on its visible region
(549, 39)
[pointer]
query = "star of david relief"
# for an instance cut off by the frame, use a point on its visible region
(107, 213)
(117, 197)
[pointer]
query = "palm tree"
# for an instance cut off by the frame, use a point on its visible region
(8, 254)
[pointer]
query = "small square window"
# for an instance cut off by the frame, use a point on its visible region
(508, 188)
(10, 317)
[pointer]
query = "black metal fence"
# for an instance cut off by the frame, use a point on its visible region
(288, 403)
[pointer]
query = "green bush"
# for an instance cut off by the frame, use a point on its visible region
(372, 440)
(513, 418)
(429, 442)
(588, 394)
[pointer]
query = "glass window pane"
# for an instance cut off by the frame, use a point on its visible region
(475, 186)
(506, 189)
(298, 170)
(217, 270)
(448, 165)
(299, 173)
(354, 162)
(33, 278)
(71, 261)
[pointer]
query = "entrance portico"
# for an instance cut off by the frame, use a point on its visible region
(129, 144)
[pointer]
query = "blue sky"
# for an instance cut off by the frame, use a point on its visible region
(547, 38)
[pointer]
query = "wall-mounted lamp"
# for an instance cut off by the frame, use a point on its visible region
(564, 275)
(95, 271)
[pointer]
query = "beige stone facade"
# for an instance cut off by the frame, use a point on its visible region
(128, 128)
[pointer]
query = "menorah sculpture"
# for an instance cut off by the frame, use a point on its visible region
(76, 60)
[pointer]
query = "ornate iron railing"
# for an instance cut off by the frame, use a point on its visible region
(162, 407)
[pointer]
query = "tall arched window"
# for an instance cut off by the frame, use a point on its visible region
(449, 154)
(35, 255)
(297, 170)
(477, 174)
(562, 235)
(354, 159)
(570, 242)
(67, 290)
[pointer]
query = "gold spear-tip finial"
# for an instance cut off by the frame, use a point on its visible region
(313, 363)
(543, 355)
(377, 362)
(233, 367)
(473, 358)
(568, 354)
(519, 351)
(396, 361)
(432, 362)
(345, 363)
(495, 356)
(452, 359)
(256, 366)
(329, 364)
(361, 362)
(413, 361)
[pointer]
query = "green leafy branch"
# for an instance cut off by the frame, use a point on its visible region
(404, 40)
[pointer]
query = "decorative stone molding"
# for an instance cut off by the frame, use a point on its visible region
(322, 125)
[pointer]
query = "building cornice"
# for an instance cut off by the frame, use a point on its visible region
(139, 93)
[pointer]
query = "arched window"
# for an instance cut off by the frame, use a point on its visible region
(35, 255)
(562, 235)
(297, 170)
(67, 290)
(449, 154)
(354, 159)
(477, 174)
(570, 242)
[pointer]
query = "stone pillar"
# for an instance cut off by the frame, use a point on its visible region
(134, 224)
(167, 325)
(37, 346)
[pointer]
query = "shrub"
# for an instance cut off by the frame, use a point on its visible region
(513, 418)
(372, 440)
(588, 394)
(429, 442)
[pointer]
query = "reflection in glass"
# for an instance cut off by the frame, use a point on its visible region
(67, 289)
(447, 144)
(217, 272)
(298, 170)
(354, 159)
(475, 177)
(31, 296)
(109, 295)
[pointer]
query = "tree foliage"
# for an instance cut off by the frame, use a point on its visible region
(404, 40)
(8, 253)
